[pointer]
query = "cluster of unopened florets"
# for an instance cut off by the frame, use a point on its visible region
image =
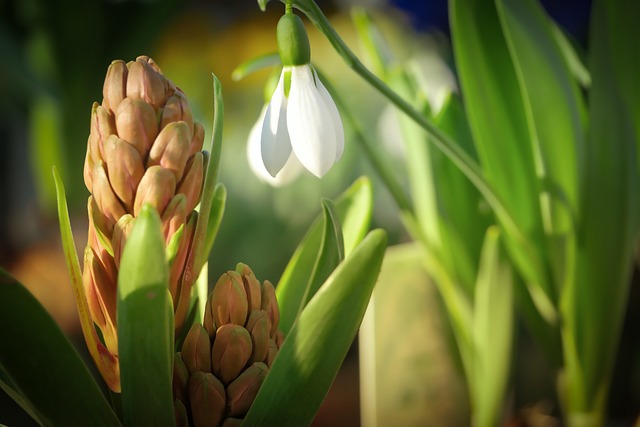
(224, 361)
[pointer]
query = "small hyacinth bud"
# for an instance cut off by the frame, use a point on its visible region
(251, 286)
(171, 148)
(208, 322)
(272, 353)
(145, 83)
(176, 109)
(121, 232)
(279, 338)
(176, 266)
(231, 351)
(196, 350)
(100, 284)
(270, 305)
(106, 200)
(207, 398)
(229, 300)
(242, 392)
(198, 138)
(180, 378)
(174, 215)
(102, 126)
(156, 188)
(114, 89)
(125, 169)
(137, 124)
(259, 327)
(191, 184)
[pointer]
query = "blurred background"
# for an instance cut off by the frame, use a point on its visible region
(53, 58)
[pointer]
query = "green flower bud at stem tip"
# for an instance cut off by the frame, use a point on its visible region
(293, 43)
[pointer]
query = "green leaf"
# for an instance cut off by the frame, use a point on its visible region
(498, 121)
(554, 110)
(215, 216)
(145, 325)
(42, 365)
(593, 307)
(353, 208)
(492, 332)
(314, 349)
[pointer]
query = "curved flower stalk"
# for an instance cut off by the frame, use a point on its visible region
(223, 362)
(144, 148)
(301, 120)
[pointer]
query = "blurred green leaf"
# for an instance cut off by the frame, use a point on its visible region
(353, 208)
(215, 216)
(492, 332)
(554, 110)
(593, 307)
(43, 367)
(498, 121)
(145, 325)
(314, 349)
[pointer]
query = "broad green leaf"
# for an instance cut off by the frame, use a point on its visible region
(145, 325)
(492, 332)
(554, 110)
(315, 347)
(330, 253)
(106, 362)
(353, 209)
(593, 307)
(42, 365)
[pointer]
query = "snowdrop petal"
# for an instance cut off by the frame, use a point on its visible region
(310, 124)
(335, 117)
(289, 171)
(275, 145)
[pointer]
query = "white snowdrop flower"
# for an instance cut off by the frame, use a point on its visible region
(301, 120)
(289, 172)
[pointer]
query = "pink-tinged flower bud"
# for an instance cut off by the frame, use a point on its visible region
(171, 148)
(270, 305)
(198, 138)
(191, 184)
(231, 351)
(102, 126)
(208, 322)
(156, 188)
(251, 286)
(229, 300)
(174, 216)
(121, 232)
(259, 327)
(176, 109)
(279, 338)
(242, 392)
(106, 200)
(207, 399)
(176, 268)
(100, 289)
(115, 85)
(125, 169)
(196, 350)
(145, 83)
(137, 124)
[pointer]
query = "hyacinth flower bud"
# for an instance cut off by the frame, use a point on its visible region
(143, 148)
(242, 348)
(207, 398)
(196, 350)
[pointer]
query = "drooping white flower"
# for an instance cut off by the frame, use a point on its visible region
(301, 121)
(306, 122)
(289, 172)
